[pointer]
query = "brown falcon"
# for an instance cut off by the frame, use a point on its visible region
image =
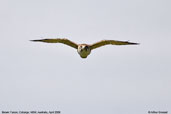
(85, 49)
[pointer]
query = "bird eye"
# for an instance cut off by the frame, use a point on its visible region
(86, 47)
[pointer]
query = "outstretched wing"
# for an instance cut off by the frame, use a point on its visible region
(58, 40)
(111, 42)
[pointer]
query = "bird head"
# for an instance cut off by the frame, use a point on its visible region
(84, 50)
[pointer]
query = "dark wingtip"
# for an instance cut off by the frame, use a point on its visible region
(34, 40)
(131, 43)
(136, 43)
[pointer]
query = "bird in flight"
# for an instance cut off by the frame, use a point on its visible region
(85, 49)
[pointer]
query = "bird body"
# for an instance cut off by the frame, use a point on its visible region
(84, 49)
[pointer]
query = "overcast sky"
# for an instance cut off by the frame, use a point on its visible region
(112, 80)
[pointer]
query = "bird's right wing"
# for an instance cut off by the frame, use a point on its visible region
(111, 42)
(58, 40)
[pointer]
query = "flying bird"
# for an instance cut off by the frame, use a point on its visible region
(84, 49)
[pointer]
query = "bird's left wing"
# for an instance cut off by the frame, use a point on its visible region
(112, 42)
(58, 40)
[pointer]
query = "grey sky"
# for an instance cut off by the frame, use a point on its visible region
(113, 79)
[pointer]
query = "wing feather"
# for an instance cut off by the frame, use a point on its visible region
(58, 40)
(111, 42)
